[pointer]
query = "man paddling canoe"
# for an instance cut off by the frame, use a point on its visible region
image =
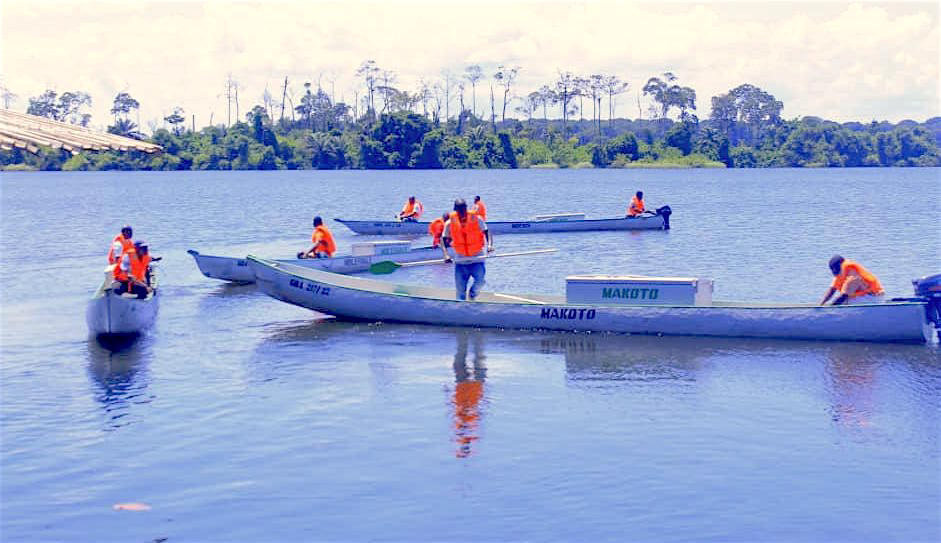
(466, 233)
(856, 284)
(324, 246)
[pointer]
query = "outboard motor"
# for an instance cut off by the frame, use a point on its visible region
(665, 212)
(929, 289)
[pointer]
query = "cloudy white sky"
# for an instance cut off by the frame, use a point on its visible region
(839, 60)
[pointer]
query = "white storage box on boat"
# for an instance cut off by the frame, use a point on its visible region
(373, 248)
(560, 217)
(638, 290)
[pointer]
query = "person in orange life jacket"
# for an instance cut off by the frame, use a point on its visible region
(122, 242)
(637, 205)
(144, 260)
(324, 246)
(412, 210)
(479, 208)
(856, 284)
(130, 272)
(436, 228)
(465, 232)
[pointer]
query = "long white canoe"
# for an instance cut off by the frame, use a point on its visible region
(660, 221)
(357, 298)
(112, 314)
(228, 268)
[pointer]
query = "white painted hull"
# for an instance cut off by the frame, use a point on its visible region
(364, 299)
(227, 268)
(646, 222)
(112, 314)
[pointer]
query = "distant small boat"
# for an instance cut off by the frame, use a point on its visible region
(234, 269)
(112, 314)
(560, 222)
(355, 298)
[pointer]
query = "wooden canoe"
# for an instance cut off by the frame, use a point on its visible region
(355, 298)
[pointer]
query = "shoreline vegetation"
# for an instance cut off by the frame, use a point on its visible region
(390, 128)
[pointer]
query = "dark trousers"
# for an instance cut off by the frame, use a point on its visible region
(140, 291)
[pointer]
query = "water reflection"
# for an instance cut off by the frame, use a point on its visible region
(468, 390)
(851, 377)
(120, 377)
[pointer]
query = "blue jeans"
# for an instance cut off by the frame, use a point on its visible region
(463, 272)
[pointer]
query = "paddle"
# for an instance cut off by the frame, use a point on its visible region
(388, 266)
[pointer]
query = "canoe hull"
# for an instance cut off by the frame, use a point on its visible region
(361, 299)
(236, 270)
(392, 228)
(110, 314)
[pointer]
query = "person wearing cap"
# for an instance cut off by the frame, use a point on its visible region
(324, 246)
(466, 233)
(856, 284)
(121, 243)
(412, 210)
(140, 266)
(131, 272)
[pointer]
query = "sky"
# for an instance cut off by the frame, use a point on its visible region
(843, 61)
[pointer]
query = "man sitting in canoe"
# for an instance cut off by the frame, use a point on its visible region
(479, 208)
(324, 246)
(121, 243)
(466, 232)
(412, 210)
(436, 228)
(856, 284)
(637, 205)
(131, 272)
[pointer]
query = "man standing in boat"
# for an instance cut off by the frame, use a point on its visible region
(467, 233)
(412, 210)
(324, 246)
(637, 205)
(856, 284)
(479, 208)
(121, 243)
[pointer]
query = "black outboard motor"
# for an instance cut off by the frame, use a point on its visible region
(929, 289)
(665, 212)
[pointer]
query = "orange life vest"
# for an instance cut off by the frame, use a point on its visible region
(139, 267)
(872, 284)
(323, 241)
(119, 272)
(637, 207)
(436, 228)
(409, 208)
(481, 210)
(466, 238)
(126, 244)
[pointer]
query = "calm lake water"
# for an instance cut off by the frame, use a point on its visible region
(240, 418)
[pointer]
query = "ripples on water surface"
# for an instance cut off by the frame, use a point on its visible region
(243, 419)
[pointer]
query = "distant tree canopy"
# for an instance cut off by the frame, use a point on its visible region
(391, 128)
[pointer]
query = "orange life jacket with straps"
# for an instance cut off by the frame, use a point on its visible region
(466, 237)
(126, 244)
(323, 241)
(849, 267)
(637, 207)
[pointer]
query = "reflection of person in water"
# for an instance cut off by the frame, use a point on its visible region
(468, 392)
(851, 372)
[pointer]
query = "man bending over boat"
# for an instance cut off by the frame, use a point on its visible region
(466, 232)
(637, 205)
(479, 208)
(411, 211)
(436, 228)
(324, 246)
(856, 284)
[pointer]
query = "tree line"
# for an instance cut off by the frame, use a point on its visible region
(389, 127)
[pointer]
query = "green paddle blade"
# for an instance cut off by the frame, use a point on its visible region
(384, 267)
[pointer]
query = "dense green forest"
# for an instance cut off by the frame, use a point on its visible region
(744, 129)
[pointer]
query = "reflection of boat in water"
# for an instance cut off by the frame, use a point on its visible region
(120, 377)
